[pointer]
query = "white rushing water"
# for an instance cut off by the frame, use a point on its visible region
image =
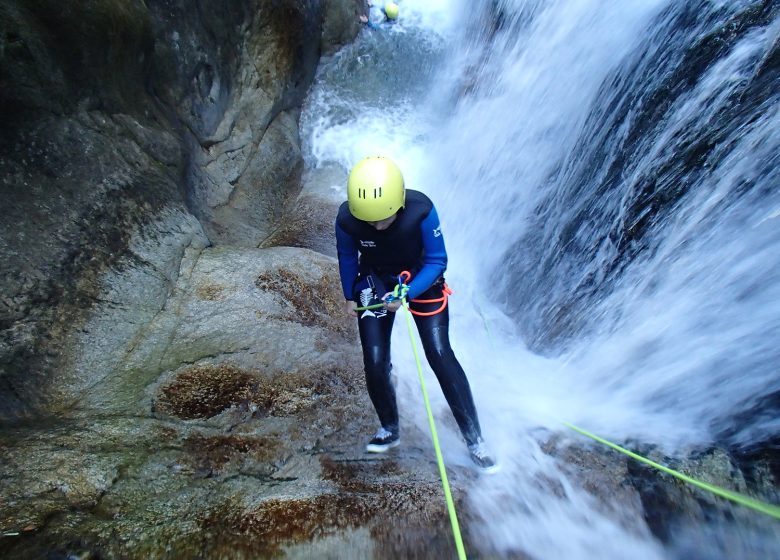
(492, 126)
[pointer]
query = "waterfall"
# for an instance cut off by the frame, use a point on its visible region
(606, 174)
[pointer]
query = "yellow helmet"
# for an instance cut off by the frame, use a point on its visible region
(375, 189)
(391, 10)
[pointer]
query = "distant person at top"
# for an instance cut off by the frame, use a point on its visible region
(386, 233)
(378, 15)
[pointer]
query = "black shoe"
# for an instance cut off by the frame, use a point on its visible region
(482, 457)
(383, 440)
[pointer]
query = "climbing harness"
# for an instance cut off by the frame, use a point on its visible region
(402, 288)
(406, 276)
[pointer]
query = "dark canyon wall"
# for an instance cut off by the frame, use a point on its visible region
(134, 132)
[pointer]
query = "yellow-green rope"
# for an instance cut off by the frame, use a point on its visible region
(435, 437)
(762, 507)
(768, 509)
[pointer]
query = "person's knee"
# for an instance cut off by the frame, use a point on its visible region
(436, 344)
(376, 362)
(438, 357)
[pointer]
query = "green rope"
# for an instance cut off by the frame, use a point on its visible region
(762, 507)
(375, 306)
(435, 437)
(768, 509)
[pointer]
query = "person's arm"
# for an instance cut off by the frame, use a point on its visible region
(434, 257)
(347, 251)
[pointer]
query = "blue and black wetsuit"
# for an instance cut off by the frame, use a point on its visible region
(369, 264)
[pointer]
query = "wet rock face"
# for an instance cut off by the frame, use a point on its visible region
(687, 519)
(236, 76)
(135, 134)
(208, 396)
(83, 195)
(231, 425)
(59, 57)
(59, 182)
(204, 392)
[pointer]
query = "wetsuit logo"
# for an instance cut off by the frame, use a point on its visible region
(437, 231)
(368, 243)
(367, 296)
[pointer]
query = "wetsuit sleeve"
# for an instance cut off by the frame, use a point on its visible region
(347, 251)
(434, 257)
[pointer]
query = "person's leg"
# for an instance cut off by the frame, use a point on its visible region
(376, 328)
(434, 334)
(375, 335)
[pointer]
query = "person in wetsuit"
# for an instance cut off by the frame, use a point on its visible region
(381, 230)
(378, 15)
